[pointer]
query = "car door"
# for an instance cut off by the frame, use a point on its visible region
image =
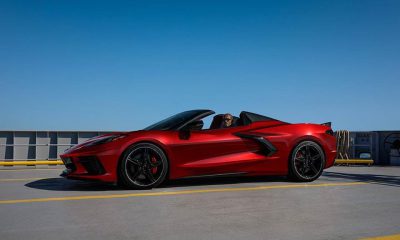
(213, 151)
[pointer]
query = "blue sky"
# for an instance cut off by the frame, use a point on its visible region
(116, 65)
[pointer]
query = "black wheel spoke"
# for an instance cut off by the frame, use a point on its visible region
(315, 157)
(134, 160)
(307, 151)
(314, 169)
(146, 153)
(137, 173)
(149, 175)
(146, 156)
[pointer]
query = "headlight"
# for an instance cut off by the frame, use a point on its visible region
(106, 139)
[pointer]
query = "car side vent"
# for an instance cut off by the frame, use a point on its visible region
(266, 147)
(69, 164)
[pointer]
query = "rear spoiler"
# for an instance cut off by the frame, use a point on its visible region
(329, 124)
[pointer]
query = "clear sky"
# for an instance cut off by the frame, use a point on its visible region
(115, 65)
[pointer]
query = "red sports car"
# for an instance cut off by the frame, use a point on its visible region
(179, 147)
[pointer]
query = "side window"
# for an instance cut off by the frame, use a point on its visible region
(207, 122)
(216, 122)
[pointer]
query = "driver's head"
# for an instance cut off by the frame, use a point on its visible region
(227, 120)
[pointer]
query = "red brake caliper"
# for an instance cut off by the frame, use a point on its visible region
(154, 160)
(299, 155)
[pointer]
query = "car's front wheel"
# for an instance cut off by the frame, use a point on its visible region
(143, 166)
(307, 162)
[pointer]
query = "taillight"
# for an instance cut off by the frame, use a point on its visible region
(329, 132)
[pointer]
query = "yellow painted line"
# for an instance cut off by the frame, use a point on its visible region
(19, 163)
(19, 179)
(184, 192)
(388, 237)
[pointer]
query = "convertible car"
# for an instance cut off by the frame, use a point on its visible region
(179, 147)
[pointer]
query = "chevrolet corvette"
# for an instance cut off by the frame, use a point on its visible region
(179, 147)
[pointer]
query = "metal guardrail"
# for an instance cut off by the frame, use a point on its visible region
(368, 162)
(31, 163)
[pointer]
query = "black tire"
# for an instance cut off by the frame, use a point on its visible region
(306, 162)
(143, 166)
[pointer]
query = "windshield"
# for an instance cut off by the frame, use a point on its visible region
(177, 120)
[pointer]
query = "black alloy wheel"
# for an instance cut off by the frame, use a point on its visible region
(307, 162)
(143, 166)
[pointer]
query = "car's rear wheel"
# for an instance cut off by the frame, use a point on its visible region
(307, 162)
(143, 166)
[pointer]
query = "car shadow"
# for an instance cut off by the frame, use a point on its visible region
(386, 180)
(209, 181)
(62, 184)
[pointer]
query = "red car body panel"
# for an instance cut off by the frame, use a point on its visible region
(209, 151)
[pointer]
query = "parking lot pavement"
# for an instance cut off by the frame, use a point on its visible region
(345, 203)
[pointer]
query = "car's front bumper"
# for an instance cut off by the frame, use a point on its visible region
(97, 164)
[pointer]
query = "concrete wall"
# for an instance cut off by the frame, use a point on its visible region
(41, 145)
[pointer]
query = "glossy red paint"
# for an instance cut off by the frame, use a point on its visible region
(209, 151)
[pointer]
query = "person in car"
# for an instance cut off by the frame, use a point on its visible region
(227, 121)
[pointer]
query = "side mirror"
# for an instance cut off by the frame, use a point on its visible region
(184, 133)
(195, 125)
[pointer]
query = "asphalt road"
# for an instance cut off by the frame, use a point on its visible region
(345, 203)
